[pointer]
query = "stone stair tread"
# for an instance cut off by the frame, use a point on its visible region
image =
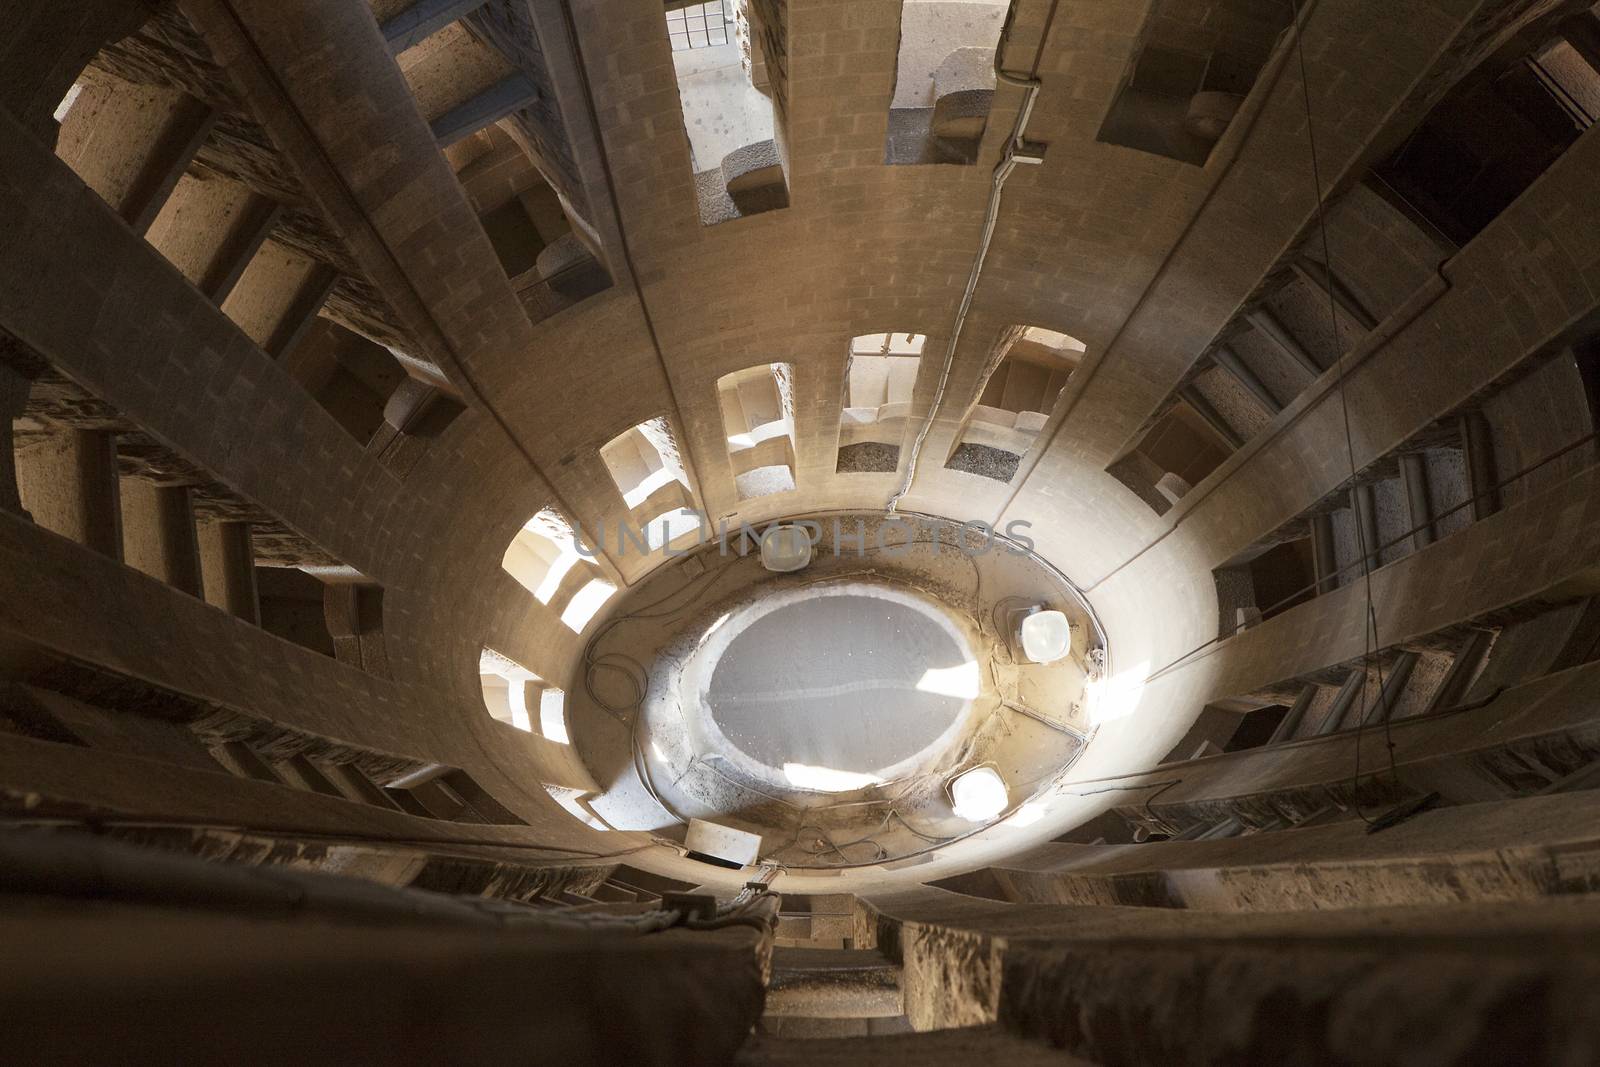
(785, 958)
(967, 1045)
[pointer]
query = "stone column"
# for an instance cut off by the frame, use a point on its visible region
(13, 400)
(1414, 476)
(1322, 551)
(1477, 444)
(228, 566)
(354, 614)
(69, 484)
(159, 535)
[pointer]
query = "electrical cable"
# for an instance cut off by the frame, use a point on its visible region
(623, 245)
(1008, 162)
(690, 594)
(1371, 642)
(97, 822)
(1398, 539)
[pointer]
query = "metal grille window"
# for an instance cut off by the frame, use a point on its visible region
(701, 25)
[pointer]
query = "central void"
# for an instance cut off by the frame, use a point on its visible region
(841, 679)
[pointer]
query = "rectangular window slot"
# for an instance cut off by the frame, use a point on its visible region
(645, 465)
(584, 606)
(731, 112)
(1190, 77)
(1490, 138)
(292, 607)
(944, 80)
(1267, 584)
(547, 249)
(1175, 456)
(542, 555)
(514, 695)
(1017, 397)
(758, 423)
(880, 377)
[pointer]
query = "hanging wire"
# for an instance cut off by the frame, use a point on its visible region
(1371, 643)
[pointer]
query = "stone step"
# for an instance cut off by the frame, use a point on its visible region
(812, 942)
(833, 983)
(936, 1048)
(827, 928)
(813, 1028)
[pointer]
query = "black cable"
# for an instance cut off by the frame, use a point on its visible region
(98, 823)
(616, 210)
(1371, 642)
(1285, 601)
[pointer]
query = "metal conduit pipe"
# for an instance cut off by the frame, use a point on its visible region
(1017, 151)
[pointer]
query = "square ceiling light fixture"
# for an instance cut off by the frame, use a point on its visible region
(978, 795)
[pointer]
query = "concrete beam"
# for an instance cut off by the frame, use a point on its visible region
(1324, 558)
(509, 94)
(424, 19)
(14, 390)
(133, 143)
(1320, 278)
(1229, 360)
(1468, 757)
(1127, 986)
(1280, 335)
(1364, 507)
(240, 247)
(159, 535)
(1498, 850)
(229, 567)
(833, 984)
(461, 318)
(302, 313)
(1396, 383)
(259, 676)
(1419, 509)
(1237, 238)
(193, 986)
(1210, 416)
(1477, 446)
(104, 308)
(260, 45)
(1543, 548)
(69, 484)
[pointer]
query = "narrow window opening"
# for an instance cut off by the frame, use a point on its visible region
(645, 465)
(542, 554)
(505, 686)
(880, 376)
(514, 695)
(944, 80)
(1267, 584)
(672, 527)
(1025, 377)
(586, 604)
(1587, 356)
(1489, 139)
(549, 251)
(1176, 455)
(64, 108)
(292, 607)
(349, 376)
(516, 240)
(1190, 77)
(572, 801)
(729, 112)
(758, 424)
